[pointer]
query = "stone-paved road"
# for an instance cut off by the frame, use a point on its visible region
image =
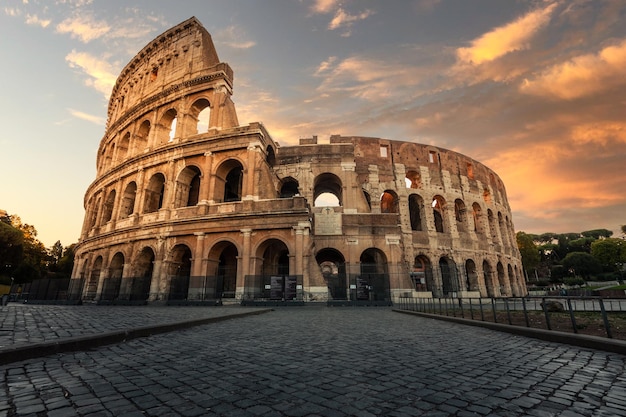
(316, 361)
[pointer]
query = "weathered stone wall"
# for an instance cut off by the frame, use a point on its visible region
(204, 208)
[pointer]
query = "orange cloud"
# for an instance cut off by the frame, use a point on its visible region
(581, 76)
(101, 75)
(511, 37)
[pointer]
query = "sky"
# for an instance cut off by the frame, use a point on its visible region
(534, 89)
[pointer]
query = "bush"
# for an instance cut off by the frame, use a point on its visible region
(574, 281)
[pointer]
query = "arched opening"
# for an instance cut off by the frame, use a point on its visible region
(373, 283)
(416, 206)
(289, 188)
(141, 137)
(154, 193)
(503, 230)
(111, 285)
(333, 268)
(107, 210)
(471, 277)
(448, 277)
(93, 218)
(272, 280)
(123, 147)
(201, 110)
(460, 215)
(128, 200)
(389, 202)
(94, 278)
(226, 271)
(187, 187)
(488, 277)
(144, 267)
(502, 280)
(438, 205)
(413, 179)
(478, 221)
(270, 156)
(327, 191)
(179, 272)
(422, 274)
(167, 126)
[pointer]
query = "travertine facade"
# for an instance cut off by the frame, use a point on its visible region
(189, 205)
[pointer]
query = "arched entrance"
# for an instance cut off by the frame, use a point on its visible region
(221, 281)
(448, 277)
(94, 278)
(333, 268)
(272, 280)
(111, 285)
(422, 274)
(142, 277)
(373, 283)
(179, 272)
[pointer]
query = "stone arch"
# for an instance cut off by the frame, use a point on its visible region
(289, 188)
(439, 206)
(479, 226)
(270, 155)
(422, 274)
(488, 277)
(413, 179)
(471, 276)
(492, 226)
(107, 208)
(143, 268)
(512, 280)
(501, 279)
(327, 190)
(449, 279)
(333, 268)
(504, 234)
(200, 112)
(222, 260)
(94, 279)
(93, 218)
(460, 214)
(128, 200)
(111, 285)
(123, 148)
(141, 137)
(187, 187)
(229, 179)
(154, 193)
(373, 283)
(389, 202)
(274, 256)
(179, 271)
(416, 212)
(167, 127)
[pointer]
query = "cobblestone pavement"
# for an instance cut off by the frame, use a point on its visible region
(317, 361)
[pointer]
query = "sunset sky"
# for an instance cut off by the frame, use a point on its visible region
(536, 90)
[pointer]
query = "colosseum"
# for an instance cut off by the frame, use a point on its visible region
(189, 206)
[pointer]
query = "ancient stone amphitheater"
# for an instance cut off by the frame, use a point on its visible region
(189, 206)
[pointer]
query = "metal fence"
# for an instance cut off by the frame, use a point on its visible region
(586, 315)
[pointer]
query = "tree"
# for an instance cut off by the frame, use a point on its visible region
(597, 233)
(582, 263)
(611, 253)
(11, 248)
(528, 250)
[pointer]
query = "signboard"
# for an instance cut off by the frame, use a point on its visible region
(276, 287)
(328, 222)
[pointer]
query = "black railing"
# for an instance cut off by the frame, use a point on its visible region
(594, 316)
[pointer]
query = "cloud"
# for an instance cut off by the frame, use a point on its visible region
(343, 19)
(12, 11)
(88, 117)
(234, 37)
(101, 75)
(83, 27)
(324, 6)
(34, 20)
(582, 75)
(505, 39)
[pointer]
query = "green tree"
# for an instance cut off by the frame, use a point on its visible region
(597, 233)
(611, 253)
(11, 248)
(528, 250)
(32, 263)
(582, 264)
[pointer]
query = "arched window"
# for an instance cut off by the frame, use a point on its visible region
(128, 200)
(107, 210)
(438, 205)
(413, 179)
(233, 184)
(289, 188)
(201, 110)
(167, 127)
(141, 137)
(478, 220)
(460, 215)
(373, 283)
(416, 206)
(123, 148)
(154, 193)
(187, 187)
(389, 202)
(327, 191)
